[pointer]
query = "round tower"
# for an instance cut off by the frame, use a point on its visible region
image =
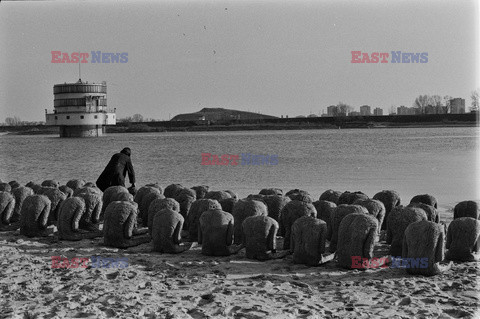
(80, 109)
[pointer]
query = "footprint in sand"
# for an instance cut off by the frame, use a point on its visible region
(458, 313)
(405, 301)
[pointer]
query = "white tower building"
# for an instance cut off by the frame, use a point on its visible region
(80, 109)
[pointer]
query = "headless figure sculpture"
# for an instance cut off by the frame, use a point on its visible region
(467, 208)
(325, 210)
(166, 232)
(463, 239)
(241, 210)
(196, 210)
(308, 241)
(426, 199)
(158, 205)
(339, 213)
(390, 200)
(259, 237)
(357, 235)
(7, 205)
(290, 213)
(119, 228)
(90, 220)
(20, 193)
(215, 233)
(425, 239)
(34, 216)
(331, 196)
(398, 220)
(69, 218)
(144, 198)
(375, 208)
(56, 198)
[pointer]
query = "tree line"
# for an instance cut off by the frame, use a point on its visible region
(443, 104)
(422, 102)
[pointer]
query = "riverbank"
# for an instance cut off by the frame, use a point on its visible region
(137, 128)
(149, 127)
(190, 285)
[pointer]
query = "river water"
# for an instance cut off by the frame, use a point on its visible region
(440, 161)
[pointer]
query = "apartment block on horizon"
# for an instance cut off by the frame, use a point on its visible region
(378, 111)
(365, 110)
(403, 110)
(332, 110)
(457, 106)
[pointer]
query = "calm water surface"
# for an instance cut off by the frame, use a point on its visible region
(439, 161)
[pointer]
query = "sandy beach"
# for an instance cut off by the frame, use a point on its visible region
(190, 285)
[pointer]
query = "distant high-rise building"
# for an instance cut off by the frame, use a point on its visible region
(403, 110)
(332, 110)
(378, 111)
(457, 105)
(365, 110)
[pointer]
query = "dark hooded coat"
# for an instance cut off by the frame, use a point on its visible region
(114, 174)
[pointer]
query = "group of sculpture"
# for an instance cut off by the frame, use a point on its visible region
(349, 222)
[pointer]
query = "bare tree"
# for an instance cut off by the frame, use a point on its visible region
(422, 102)
(343, 109)
(335, 111)
(12, 121)
(447, 107)
(127, 119)
(436, 101)
(475, 100)
(393, 110)
(137, 118)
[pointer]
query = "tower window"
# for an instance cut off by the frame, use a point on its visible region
(56, 117)
(82, 117)
(68, 117)
(96, 116)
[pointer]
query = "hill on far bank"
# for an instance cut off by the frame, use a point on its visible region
(220, 114)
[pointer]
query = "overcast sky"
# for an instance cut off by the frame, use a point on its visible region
(274, 57)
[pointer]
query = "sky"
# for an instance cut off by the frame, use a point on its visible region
(273, 57)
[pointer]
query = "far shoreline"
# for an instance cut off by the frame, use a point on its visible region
(154, 127)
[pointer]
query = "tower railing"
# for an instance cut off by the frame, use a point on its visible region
(93, 109)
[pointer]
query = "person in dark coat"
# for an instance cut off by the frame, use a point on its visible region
(114, 174)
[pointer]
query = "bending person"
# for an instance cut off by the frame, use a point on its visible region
(116, 170)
